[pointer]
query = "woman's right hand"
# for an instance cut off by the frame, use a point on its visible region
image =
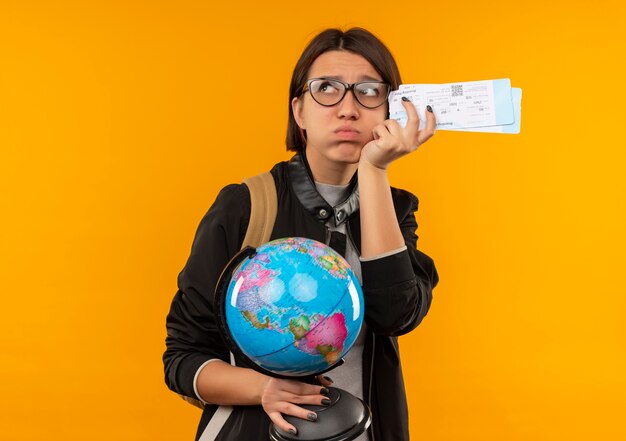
(283, 396)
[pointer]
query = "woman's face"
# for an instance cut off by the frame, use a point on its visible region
(338, 133)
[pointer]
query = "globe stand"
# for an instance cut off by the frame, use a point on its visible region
(343, 420)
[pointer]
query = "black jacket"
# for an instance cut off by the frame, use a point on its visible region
(397, 291)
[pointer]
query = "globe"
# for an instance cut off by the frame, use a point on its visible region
(293, 307)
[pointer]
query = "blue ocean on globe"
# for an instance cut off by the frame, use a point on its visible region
(295, 307)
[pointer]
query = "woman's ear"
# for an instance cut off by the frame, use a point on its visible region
(296, 107)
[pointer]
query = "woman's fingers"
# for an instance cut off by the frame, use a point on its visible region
(282, 397)
(278, 419)
(297, 411)
(413, 119)
(393, 127)
(299, 388)
(315, 400)
(380, 131)
(391, 141)
(428, 131)
(285, 408)
(325, 380)
(276, 410)
(290, 389)
(412, 126)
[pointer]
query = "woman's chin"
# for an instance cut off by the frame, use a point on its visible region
(345, 152)
(348, 152)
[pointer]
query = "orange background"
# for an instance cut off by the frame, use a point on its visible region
(120, 121)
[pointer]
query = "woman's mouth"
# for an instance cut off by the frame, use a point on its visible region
(347, 132)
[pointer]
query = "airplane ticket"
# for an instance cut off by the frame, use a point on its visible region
(458, 106)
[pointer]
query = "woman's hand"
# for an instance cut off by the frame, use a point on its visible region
(282, 396)
(392, 141)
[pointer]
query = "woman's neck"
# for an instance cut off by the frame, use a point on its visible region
(327, 171)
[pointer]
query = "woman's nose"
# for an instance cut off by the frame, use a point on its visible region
(348, 107)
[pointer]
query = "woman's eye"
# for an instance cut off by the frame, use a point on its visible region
(327, 87)
(369, 91)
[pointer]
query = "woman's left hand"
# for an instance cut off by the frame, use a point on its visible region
(392, 141)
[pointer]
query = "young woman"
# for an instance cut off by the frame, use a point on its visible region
(335, 190)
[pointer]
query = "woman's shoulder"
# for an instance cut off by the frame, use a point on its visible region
(233, 193)
(230, 208)
(233, 198)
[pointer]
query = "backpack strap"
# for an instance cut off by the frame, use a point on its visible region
(264, 206)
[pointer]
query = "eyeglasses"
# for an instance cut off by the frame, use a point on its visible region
(327, 92)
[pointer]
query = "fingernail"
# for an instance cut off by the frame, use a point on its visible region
(430, 109)
(324, 391)
(405, 99)
(328, 379)
(292, 431)
(325, 401)
(311, 417)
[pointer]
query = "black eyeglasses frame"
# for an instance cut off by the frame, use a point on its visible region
(346, 87)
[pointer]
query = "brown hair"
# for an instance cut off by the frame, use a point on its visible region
(356, 40)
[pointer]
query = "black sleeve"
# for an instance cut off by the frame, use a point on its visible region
(192, 333)
(398, 288)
